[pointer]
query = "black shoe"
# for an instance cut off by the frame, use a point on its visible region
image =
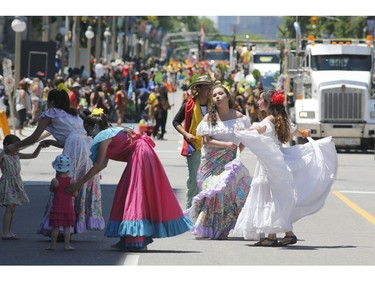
(266, 242)
(288, 240)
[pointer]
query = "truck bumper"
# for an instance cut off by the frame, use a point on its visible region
(343, 134)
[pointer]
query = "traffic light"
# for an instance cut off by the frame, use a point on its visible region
(313, 23)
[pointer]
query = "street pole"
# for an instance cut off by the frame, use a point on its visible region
(107, 34)
(89, 35)
(113, 43)
(98, 41)
(76, 41)
(46, 29)
(18, 26)
(62, 31)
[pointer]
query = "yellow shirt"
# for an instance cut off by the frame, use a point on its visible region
(152, 101)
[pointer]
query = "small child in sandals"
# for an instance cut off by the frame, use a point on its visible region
(62, 210)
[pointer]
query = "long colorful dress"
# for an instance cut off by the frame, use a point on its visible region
(224, 182)
(68, 130)
(144, 205)
(289, 183)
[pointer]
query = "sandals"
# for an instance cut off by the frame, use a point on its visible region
(13, 237)
(266, 242)
(288, 240)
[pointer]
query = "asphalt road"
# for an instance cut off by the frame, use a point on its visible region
(338, 239)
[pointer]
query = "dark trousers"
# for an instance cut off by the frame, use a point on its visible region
(160, 122)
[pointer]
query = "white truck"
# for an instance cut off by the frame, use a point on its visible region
(334, 91)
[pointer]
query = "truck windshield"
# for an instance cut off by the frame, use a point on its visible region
(266, 58)
(341, 62)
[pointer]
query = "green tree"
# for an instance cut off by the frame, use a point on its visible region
(328, 26)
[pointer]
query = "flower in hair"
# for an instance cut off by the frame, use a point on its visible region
(278, 99)
(97, 111)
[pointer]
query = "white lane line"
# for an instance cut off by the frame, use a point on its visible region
(359, 192)
(131, 259)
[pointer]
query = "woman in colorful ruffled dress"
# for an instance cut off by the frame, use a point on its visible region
(289, 183)
(144, 205)
(67, 128)
(223, 179)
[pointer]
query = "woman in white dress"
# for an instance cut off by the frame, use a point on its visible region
(289, 182)
(222, 178)
(66, 126)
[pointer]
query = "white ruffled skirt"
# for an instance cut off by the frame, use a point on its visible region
(288, 184)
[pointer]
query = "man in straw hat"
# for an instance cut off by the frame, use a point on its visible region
(190, 114)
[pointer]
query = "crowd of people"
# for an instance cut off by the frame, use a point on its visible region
(217, 122)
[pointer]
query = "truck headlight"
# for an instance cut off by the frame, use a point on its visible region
(307, 114)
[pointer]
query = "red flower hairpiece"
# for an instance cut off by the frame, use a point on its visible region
(278, 98)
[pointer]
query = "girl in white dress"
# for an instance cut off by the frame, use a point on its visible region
(66, 126)
(289, 182)
(222, 178)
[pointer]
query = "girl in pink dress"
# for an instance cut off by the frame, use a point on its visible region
(62, 211)
(144, 205)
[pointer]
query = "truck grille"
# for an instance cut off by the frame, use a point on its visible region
(342, 106)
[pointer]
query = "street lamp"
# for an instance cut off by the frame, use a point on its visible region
(107, 34)
(89, 35)
(62, 31)
(18, 26)
(120, 40)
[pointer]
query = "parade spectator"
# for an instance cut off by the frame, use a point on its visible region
(23, 104)
(100, 71)
(252, 103)
(66, 126)
(186, 122)
(98, 99)
(222, 178)
(35, 97)
(161, 113)
(12, 192)
(120, 104)
(3, 97)
(144, 205)
(152, 104)
(87, 90)
(75, 95)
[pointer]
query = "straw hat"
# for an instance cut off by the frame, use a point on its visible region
(201, 80)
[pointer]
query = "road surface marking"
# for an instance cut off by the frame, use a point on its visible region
(358, 192)
(355, 207)
(131, 259)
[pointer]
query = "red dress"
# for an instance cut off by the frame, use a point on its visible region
(144, 205)
(62, 211)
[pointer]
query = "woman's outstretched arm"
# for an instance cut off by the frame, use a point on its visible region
(96, 168)
(33, 138)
